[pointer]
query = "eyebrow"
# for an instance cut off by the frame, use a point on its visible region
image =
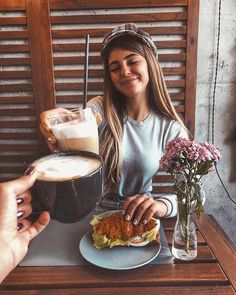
(126, 57)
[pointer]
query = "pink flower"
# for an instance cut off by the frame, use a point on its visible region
(183, 156)
(215, 153)
(204, 154)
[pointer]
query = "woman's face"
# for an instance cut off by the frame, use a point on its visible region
(129, 72)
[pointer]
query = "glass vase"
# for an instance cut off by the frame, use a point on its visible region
(184, 244)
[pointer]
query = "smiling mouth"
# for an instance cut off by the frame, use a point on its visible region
(127, 81)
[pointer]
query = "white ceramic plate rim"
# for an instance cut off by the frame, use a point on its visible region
(91, 254)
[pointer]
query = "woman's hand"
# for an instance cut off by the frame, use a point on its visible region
(46, 128)
(98, 118)
(141, 208)
(15, 231)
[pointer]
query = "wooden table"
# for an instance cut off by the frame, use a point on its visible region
(212, 272)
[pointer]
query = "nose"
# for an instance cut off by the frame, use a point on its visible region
(125, 70)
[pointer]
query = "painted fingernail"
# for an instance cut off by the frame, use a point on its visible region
(19, 214)
(49, 140)
(19, 201)
(30, 170)
(123, 211)
(127, 217)
(19, 226)
(145, 221)
(135, 222)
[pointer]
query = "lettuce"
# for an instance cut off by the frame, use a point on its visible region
(100, 241)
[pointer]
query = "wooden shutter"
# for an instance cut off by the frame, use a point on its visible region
(18, 135)
(26, 87)
(49, 59)
(170, 27)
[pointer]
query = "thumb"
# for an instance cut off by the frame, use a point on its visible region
(38, 226)
(98, 118)
(21, 184)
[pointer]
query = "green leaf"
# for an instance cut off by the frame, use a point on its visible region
(204, 168)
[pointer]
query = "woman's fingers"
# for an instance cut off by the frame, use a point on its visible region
(24, 207)
(131, 206)
(24, 198)
(23, 225)
(145, 211)
(49, 137)
(24, 211)
(45, 131)
(141, 208)
(150, 211)
(18, 186)
(47, 118)
(98, 118)
(128, 201)
(38, 225)
(136, 208)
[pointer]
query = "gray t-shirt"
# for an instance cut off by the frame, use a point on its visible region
(143, 145)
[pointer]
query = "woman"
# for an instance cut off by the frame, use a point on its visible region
(15, 230)
(138, 119)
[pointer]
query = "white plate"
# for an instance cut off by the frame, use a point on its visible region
(117, 258)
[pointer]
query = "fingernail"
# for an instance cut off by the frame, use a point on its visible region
(49, 140)
(19, 201)
(123, 211)
(19, 226)
(19, 214)
(145, 221)
(45, 127)
(135, 222)
(30, 170)
(127, 217)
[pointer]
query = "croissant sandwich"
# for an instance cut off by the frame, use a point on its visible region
(110, 229)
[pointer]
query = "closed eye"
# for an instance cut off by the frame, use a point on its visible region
(132, 62)
(114, 68)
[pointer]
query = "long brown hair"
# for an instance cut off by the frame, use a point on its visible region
(115, 106)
